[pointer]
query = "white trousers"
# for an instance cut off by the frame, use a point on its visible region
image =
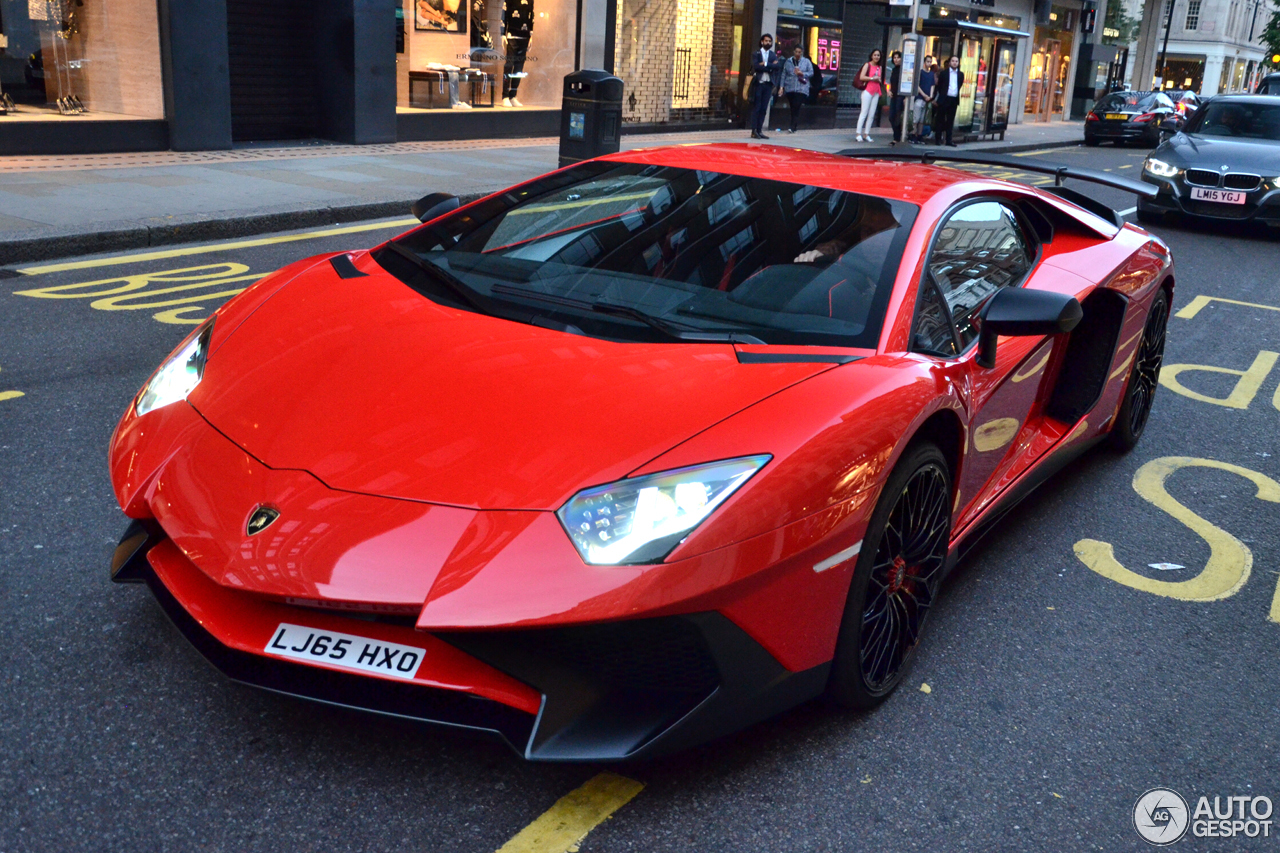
(869, 104)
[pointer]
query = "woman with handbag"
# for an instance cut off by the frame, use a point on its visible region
(868, 80)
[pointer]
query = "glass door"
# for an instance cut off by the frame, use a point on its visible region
(970, 57)
(1001, 83)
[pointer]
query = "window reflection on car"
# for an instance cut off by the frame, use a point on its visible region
(700, 250)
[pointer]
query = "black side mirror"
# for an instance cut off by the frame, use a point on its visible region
(430, 206)
(1016, 311)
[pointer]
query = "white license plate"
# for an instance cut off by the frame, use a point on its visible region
(1220, 196)
(345, 650)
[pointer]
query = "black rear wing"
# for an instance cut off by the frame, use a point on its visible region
(1059, 172)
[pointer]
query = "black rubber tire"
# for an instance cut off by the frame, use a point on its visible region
(1092, 141)
(1144, 378)
(1148, 217)
(848, 684)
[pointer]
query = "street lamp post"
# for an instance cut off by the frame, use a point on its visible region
(1168, 25)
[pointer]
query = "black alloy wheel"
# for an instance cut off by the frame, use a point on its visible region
(1144, 378)
(896, 581)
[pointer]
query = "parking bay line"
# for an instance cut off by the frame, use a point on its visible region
(562, 827)
(216, 247)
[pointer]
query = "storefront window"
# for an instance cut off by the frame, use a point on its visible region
(680, 60)
(482, 54)
(81, 60)
(1237, 84)
(1228, 66)
(1049, 74)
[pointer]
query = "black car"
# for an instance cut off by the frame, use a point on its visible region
(1224, 164)
(1268, 85)
(1130, 117)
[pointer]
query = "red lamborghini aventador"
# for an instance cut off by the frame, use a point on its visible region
(638, 452)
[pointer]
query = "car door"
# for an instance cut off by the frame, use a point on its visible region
(981, 247)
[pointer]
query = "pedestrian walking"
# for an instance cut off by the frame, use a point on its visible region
(896, 101)
(869, 77)
(923, 98)
(950, 83)
(764, 67)
(797, 72)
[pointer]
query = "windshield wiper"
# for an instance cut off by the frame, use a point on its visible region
(678, 331)
(452, 283)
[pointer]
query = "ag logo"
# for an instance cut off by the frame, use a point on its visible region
(261, 519)
(1160, 816)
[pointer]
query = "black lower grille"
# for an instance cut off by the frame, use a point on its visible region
(1241, 181)
(1202, 178)
(1220, 211)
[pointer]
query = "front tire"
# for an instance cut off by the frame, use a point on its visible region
(1147, 216)
(1144, 378)
(897, 577)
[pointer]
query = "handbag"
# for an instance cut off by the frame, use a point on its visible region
(858, 82)
(815, 85)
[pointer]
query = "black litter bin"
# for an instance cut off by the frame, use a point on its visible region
(590, 115)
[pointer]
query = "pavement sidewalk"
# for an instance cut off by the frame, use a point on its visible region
(59, 206)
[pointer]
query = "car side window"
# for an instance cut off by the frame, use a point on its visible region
(980, 249)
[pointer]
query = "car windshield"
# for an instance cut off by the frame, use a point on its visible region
(1242, 120)
(1127, 102)
(634, 251)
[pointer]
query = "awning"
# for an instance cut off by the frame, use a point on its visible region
(802, 21)
(951, 24)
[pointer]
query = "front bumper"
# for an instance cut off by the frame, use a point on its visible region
(1262, 204)
(600, 692)
(1124, 133)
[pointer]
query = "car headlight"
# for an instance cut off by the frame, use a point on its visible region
(641, 519)
(178, 376)
(1160, 168)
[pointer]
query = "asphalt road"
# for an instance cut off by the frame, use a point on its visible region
(1057, 695)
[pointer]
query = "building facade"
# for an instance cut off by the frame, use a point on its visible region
(1214, 46)
(120, 75)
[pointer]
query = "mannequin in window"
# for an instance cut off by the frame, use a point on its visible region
(517, 29)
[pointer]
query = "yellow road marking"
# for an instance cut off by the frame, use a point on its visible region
(10, 395)
(137, 292)
(1241, 395)
(568, 205)
(1193, 307)
(215, 247)
(562, 827)
(1230, 560)
(1125, 166)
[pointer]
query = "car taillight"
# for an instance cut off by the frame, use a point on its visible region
(1144, 117)
(1091, 117)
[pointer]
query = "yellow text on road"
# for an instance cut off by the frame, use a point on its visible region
(1246, 387)
(1230, 560)
(1192, 308)
(180, 292)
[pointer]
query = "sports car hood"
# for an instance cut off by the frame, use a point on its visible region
(375, 389)
(1212, 152)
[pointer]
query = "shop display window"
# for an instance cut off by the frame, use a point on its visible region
(79, 60)
(680, 60)
(483, 54)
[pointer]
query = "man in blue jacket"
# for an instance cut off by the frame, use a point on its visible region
(764, 65)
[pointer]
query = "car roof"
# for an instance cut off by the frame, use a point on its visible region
(911, 182)
(1247, 99)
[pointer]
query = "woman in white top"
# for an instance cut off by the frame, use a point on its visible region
(869, 76)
